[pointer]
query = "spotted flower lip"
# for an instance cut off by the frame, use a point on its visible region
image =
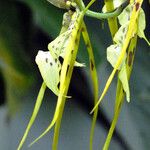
(48, 62)
(49, 67)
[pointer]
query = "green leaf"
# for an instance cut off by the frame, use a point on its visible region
(46, 16)
(14, 62)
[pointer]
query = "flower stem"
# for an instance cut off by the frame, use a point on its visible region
(112, 22)
(98, 15)
(119, 102)
(66, 74)
(107, 15)
(34, 114)
(94, 77)
(57, 125)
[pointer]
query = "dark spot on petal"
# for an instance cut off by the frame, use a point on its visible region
(55, 60)
(82, 30)
(87, 45)
(59, 72)
(72, 52)
(59, 42)
(78, 31)
(58, 85)
(123, 92)
(120, 41)
(137, 5)
(76, 41)
(130, 58)
(46, 60)
(60, 59)
(73, 27)
(91, 64)
(53, 46)
(115, 47)
(67, 70)
(62, 48)
(51, 63)
(123, 30)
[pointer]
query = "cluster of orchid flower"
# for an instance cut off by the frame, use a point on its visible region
(56, 75)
